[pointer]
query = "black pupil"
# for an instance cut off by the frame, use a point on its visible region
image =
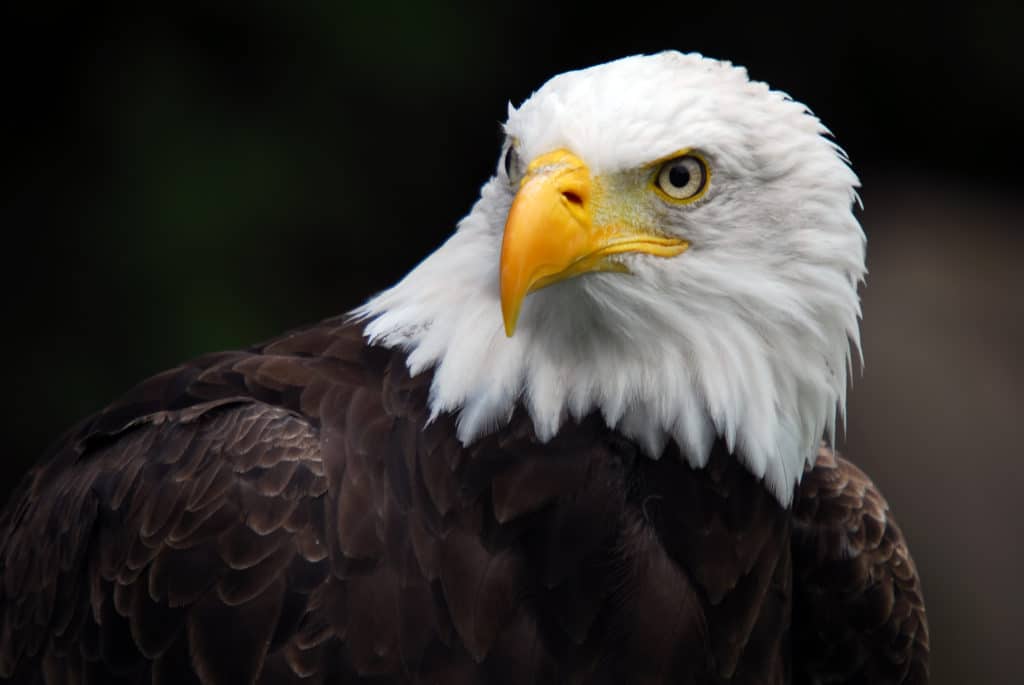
(508, 162)
(679, 176)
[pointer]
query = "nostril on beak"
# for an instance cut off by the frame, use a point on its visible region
(572, 197)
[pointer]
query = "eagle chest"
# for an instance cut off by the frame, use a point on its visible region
(578, 558)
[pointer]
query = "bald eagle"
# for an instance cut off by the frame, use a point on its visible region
(585, 441)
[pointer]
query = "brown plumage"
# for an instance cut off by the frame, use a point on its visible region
(287, 514)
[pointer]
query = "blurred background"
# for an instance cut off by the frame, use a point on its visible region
(211, 176)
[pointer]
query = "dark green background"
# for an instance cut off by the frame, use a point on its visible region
(206, 177)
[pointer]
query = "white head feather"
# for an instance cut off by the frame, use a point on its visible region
(747, 335)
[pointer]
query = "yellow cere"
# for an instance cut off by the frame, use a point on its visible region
(564, 222)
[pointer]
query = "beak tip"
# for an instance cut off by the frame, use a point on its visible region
(511, 302)
(510, 326)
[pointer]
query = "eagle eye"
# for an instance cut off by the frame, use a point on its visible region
(683, 179)
(511, 163)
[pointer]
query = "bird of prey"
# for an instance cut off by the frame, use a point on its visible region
(584, 441)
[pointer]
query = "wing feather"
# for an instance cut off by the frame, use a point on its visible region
(858, 610)
(181, 533)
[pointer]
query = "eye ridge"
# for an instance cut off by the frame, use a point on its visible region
(682, 179)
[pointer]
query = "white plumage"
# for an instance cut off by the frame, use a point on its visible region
(746, 335)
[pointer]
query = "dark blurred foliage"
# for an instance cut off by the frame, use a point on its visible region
(207, 176)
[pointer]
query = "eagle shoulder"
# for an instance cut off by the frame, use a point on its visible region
(181, 532)
(194, 531)
(858, 609)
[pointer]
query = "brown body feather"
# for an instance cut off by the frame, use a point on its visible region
(286, 514)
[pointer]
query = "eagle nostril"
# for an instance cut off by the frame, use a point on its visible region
(572, 197)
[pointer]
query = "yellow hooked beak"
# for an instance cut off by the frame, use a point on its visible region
(551, 233)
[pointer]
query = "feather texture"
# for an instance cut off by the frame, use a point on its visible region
(209, 528)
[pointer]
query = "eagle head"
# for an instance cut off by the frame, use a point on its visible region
(664, 241)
